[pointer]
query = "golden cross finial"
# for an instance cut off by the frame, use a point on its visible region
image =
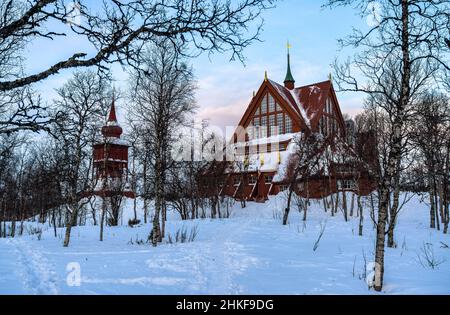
(289, 46)
(330, 76)
(266, 76)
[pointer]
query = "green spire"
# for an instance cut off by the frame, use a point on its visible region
(289, 77)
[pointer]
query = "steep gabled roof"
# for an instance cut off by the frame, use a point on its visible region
(112, 113)
(305, 104)
(279, 96)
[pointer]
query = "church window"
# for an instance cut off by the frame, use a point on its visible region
(263, 126)
(271, 104)
(268, 179)
(251, 132)
(280, 123)
(272, 127)
(346, 184)
(264, 106)
(288, 123)
(263, 121)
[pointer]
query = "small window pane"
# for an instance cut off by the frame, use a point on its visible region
(268, 179)
(264, 121)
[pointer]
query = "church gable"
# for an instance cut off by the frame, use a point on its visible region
(330, 121)
(269, 117)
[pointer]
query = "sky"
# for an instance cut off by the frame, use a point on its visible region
(225, 87)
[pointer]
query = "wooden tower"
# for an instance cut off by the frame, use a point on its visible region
(111, 160)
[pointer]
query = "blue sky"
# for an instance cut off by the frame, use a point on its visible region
(224, 87)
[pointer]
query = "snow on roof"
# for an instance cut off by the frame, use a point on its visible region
(112, 123)
(267, 161)
(307, 100)
(267, 140)
(113, 140)
(301, 107)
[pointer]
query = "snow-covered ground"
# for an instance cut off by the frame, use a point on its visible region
(249, 253)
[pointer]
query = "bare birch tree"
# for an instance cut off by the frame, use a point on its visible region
(399, 54)
(162, 96)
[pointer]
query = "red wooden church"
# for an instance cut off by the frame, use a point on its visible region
(110, 160)
(275, 115)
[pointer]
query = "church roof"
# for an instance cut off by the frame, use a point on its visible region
(112, 128)
(307, 101)
(112, 114)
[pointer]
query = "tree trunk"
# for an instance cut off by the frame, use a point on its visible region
(54, 222)
(13, 227)
(445, 189)
(393, 215)
(441, 202)
(102, 219)
(361, 215)
(288, 204)
(134, 208)
(352, 205)
(380, 238)
(72, 222)
(156, 227)
(145, 190)
(163, 220)
(305, 210)
(332, 205)
(324, 204)
(336, 205)
(344, 205)
(438, 225)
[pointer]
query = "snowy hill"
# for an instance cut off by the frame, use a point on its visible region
(249, 253)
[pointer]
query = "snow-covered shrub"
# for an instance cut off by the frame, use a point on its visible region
(183, 235)
(427, 257)
(34, 230)
(322, 230)
(137, 241)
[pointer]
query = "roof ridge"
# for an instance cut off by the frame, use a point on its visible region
(304, 86)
